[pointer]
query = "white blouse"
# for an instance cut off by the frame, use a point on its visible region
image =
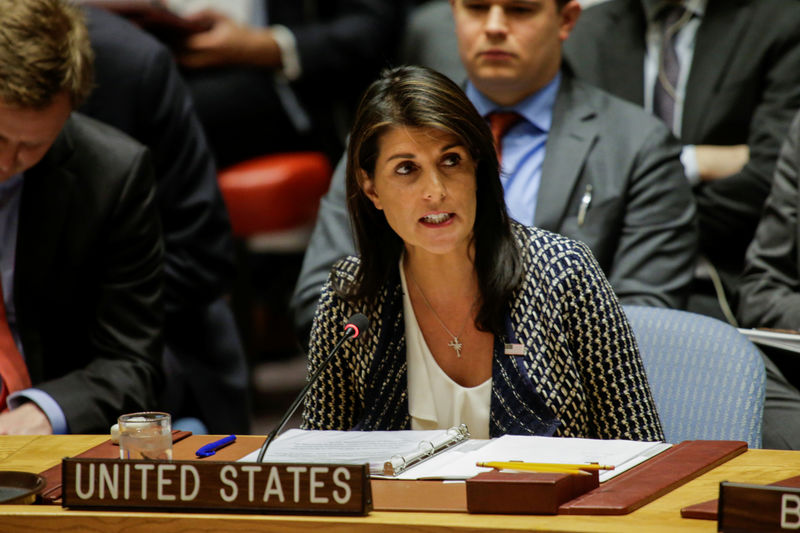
(434, 400)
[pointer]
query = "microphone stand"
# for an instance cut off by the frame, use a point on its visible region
(351, 332)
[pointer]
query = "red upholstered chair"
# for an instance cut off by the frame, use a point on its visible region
(272, 200)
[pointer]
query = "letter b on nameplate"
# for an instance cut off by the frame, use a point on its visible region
(219, 486)
(763, 508)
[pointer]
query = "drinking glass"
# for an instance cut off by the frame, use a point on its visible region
(146, 435)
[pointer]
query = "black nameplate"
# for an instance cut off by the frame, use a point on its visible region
(220, 486)
(744, 507)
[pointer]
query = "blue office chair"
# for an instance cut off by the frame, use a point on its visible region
(707, 379)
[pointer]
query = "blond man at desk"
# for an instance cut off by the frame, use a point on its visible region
(80, 239)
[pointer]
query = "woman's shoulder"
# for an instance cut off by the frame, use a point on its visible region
(557, 267)
(345, 271)
(332, 307)
(347, 266)
(335, 305)
(545, 247)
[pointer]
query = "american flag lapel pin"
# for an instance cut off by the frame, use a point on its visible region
(514, 348)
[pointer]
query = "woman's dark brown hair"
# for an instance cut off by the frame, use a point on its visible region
(419, 97)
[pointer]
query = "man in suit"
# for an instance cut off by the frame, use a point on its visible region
(771, 282)
(770, 286)
(579, 162)
(736, 87)
(263, 84)
(138, 90)
(81, 253)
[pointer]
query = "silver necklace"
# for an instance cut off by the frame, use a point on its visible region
(455, 344)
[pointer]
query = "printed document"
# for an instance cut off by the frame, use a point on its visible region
(783, 339)
(457, 461)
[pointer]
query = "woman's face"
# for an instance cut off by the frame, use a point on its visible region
(424, 182)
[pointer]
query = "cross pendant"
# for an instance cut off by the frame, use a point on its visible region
(454, 344)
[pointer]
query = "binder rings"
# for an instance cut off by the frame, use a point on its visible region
(389, 453)
(397, 464)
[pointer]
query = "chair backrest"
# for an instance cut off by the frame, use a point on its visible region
(707, 379)
(272, 200)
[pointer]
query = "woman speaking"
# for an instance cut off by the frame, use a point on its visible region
(474, 318)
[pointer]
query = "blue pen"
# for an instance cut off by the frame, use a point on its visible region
(211, 448)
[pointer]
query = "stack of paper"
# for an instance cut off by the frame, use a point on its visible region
(459, 463)
(785, 340)
(456, 462)
(359, 447)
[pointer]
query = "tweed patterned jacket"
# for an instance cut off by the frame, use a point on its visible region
(581, 359)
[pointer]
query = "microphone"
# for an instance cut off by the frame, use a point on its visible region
(355, 326)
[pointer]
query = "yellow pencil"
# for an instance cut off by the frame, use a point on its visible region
(520, 465)
(538, 468)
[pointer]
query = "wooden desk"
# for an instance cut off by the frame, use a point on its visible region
(33, 454)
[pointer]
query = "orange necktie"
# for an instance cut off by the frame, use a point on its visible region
(13, 370)
(500, 122)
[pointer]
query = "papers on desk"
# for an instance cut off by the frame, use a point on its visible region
(456, 462)
(385, 451)
(785, 340)
(459, 463)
